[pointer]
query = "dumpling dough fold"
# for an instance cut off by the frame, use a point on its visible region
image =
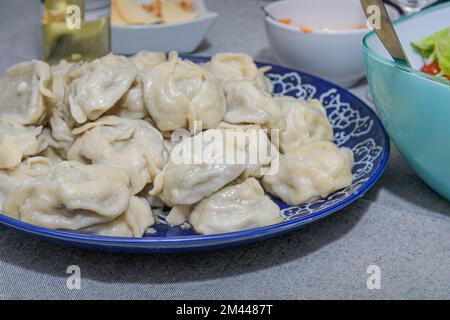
(145, 60)
(306, 121)
(61, 121)
(237, 66)
(134, 146)
(28, 170)
(25, 96)
(260, 152)
(313, 170)
(133, 223)
(131, 105)
(179, 92)
(100, 85)
(18, 142)
(72, 196)
(247, 104)
(234, 208)
(191, 176)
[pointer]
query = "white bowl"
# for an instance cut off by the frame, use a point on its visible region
(181, 37)
(335, 55)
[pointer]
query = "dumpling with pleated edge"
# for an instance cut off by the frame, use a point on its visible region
(248, 104)
(306, 121)
(18, 142)
(25, 95)
(99, 86)
(26, 171)
(134, 146)
(236, 207)
(144, 60)
(71, 197)
(259, 150)
(132, 224)
(198, 167)
(314, 170)
(61, 122)
(238, 66)
(178, 92)
(131, 105)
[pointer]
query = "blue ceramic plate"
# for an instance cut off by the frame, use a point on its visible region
(355, 126)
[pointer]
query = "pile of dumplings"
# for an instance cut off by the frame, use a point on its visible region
(86, 147)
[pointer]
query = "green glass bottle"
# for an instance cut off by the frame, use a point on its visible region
(75, 30)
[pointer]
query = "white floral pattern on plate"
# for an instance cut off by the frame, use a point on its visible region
(347, 123)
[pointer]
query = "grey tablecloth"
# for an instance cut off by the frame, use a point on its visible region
(401, 225)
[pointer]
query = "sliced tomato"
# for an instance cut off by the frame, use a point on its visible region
(432, 68)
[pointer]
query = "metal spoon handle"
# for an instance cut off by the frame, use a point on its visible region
(385, 30)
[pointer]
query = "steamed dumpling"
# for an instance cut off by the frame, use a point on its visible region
(260, 152)
(28, 170)
(100, 85)
(306, 121)
(178, 215)
(25, 96)
(185, 184)
(234, 208)
(237, 66)
(60, 82)
(144, 60)
(72, 196)
(191, 176)
(52, 153)
(205, 163)
(313, 170)
(135, 146)
(18, 142)
(247, 104)
(179, 92)
(133, 223)
(61, 125)
(131, 105)
(61, 121)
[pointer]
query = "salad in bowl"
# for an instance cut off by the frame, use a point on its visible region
(436, 51)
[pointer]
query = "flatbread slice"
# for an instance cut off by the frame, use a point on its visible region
(133, 13)
(116, 18)
(172, 12)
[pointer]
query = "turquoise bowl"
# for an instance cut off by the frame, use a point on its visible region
(414, 107)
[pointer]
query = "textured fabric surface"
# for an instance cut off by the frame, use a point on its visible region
(400, 225)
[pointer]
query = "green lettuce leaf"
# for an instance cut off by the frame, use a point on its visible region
(438, 45)
(442, 48)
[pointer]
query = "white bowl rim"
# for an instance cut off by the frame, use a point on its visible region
(417, 73)
(293, 28)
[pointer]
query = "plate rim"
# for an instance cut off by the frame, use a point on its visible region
(199, 241)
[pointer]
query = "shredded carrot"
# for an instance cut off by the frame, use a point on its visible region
(360, 26)
(285, 21)
(306, 29)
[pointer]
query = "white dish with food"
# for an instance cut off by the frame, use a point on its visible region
(182, 36)
(324, 42)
